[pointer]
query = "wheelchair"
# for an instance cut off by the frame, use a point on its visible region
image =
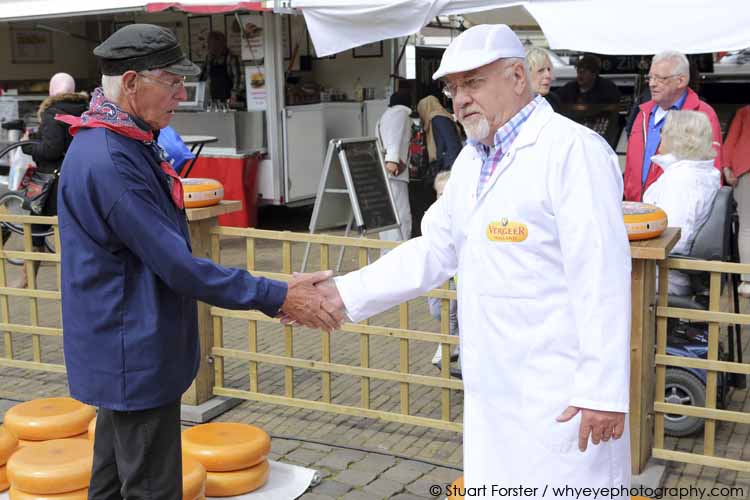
(715, 240)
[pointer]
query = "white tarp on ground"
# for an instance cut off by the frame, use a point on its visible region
(602, 26)
(11, 10)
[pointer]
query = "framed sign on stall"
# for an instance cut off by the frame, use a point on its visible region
(30, 46)
(374, 49)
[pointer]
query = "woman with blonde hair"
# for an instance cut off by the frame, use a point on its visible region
(442, 135)
(688, 186)
(540, 72)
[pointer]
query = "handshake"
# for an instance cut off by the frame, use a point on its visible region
(313, 300)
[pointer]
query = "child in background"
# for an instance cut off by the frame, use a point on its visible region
(441, 179)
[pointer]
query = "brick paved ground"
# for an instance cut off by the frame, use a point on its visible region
(358, 458)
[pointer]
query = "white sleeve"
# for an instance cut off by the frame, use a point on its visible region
(395, 131)
(413, 268)
(586, 191)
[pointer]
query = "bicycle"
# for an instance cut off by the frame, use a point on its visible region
(12, 202)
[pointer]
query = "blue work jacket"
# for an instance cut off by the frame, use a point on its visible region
(129, 280)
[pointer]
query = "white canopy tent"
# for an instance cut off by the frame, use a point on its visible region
(20, 10)
(602, 26)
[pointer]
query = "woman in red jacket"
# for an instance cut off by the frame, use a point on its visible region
(737, 157)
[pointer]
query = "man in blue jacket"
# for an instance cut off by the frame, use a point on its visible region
(129, 280)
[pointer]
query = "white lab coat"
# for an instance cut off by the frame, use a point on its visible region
(394, 131)
(545, 322)
(686, 192)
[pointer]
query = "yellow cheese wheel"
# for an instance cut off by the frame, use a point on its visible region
(92, 430)
(227, 484)
(226, 446)
(16, 494)
(50, 418)
(457, 486)
(643, 221)
(8, 444)
(25, 442)
(56, 466)
(193, 479)
(202, 192)
(3, 478)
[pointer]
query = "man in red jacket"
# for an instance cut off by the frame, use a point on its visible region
(668, 81)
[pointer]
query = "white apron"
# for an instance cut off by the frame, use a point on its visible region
(544, 305)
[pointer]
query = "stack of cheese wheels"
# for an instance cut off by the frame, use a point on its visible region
(643, 221)
(202, 192)
(57, 469)
(50, 418)
(456, 488)
(193, 479)
(235, 456)
(8, 444)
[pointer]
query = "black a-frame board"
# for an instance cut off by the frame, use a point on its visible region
(353, 189)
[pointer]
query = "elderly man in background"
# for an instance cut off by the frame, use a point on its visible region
(531, 221)
(668, 81)
(129, 280)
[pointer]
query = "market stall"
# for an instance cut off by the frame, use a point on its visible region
(288, 94)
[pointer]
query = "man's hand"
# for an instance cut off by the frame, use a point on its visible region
(307, 305)
(331, 294)
(600, 425)
(392, 167)
(730, 177)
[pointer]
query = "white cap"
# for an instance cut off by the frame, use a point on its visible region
(479, 46)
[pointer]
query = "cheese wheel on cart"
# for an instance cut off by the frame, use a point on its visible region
(226, 446)
(8, 444)
(237, 482)
(193, 479)
(202, 192)
(49, 418)
(643, 221)
(52, 467)
(16, 494)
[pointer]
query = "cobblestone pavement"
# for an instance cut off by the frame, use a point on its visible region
(358, 458)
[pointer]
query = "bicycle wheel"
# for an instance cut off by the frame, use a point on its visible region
(12, 203)
(12, 234)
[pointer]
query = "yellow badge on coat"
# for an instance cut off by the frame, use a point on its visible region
(507, 231)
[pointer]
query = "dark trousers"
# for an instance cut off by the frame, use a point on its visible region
(137, 455)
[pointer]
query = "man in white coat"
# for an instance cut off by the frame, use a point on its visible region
(394, 131)
(531, 221)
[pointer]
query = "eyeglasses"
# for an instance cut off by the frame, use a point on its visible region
(659, 79)
(472, 84)
(174, 87)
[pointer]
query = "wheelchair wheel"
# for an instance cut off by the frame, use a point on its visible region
(683, 388)
(12, 203)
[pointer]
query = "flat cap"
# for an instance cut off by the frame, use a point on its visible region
(478, 46)
(140, 47)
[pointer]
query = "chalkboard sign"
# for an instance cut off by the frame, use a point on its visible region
(363, 169)
(354, 189)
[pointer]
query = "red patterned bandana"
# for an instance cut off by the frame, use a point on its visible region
(106, 114)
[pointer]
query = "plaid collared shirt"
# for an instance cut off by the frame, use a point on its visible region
(503, 140)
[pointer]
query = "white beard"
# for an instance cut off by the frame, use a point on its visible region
(477, 129)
